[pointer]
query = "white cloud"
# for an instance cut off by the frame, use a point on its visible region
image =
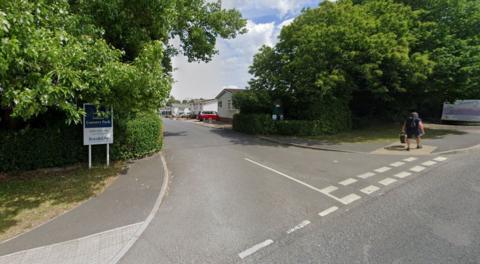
(230, 67)
(256, 8)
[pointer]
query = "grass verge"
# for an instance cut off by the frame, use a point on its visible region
(384, 132)
(28, 199)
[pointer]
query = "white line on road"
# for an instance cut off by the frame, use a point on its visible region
(328, 190)
(397, 164)
(410, 159)
(328, 211)
(299, 226)
(440, 159)
(255, 248)
(417, 169)
(366, 175)
(347, 182)
(403, 174)
(429, 163)
(370, 189)
(345, 200)
(383, 169)
(350, 198)
(387, 181)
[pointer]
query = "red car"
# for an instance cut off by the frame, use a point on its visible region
(206, 115)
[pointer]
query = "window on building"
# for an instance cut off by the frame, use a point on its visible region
(229, 102)
(220, 104)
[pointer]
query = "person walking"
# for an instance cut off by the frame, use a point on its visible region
(413, 127)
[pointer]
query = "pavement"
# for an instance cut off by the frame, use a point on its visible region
(467, 138)
(235, 198)
(98, 229)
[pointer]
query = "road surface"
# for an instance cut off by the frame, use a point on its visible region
(237, 199)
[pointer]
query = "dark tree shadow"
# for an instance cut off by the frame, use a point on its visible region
(30, 190)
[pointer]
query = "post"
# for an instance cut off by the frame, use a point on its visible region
(89, 156)
(108, 155)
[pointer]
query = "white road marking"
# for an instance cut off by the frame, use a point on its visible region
(328, 190)
(350, 198)
(429, 163)
(370, 189)
(347, 182)
(387, 181)
(417, 169)
(403, 174)
(325, 191)
(397, 164)
(410, 159)
(440, 159)
(328, 211)
(255, 248)
(366, 175)
(299, 226)
(383, 169)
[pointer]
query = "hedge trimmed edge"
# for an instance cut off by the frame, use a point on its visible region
(61, 145)
(263, 124)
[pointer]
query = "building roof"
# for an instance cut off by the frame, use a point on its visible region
(229, 90)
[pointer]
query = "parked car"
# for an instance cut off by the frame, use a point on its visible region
(205, 115)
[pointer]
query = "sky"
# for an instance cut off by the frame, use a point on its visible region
(229, 68)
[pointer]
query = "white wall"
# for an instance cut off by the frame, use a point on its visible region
(211, 106)
(226, 110)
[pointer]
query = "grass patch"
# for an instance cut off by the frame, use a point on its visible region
(28, 199)
(384, 132)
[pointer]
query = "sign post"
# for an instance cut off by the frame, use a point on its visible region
(97, 129)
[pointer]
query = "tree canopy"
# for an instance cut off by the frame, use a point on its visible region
(381, 57)
(56, 55)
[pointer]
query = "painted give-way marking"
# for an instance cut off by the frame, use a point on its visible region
(327, 191)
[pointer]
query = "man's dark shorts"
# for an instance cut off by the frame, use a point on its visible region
(413, 134)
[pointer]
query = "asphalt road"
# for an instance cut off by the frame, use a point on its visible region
(237, 199)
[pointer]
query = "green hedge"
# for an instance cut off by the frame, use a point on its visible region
(36, 148)
(138, 137)
(61, 145)
(264, 125)
(254, 124)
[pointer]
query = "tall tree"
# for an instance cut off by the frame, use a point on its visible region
(381, 57)
(196, 23)
(56, 55)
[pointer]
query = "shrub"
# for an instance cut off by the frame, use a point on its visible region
(138, 137)
(60, 145)
(263, 125)
(253, 123)
(33, 148)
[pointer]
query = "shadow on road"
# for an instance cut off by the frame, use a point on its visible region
(175, 134)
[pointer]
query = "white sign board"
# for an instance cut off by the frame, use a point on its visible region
(97, 126)
(462, 110)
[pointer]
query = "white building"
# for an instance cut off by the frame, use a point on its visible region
(179, 110)
(199, 105)
(226, 110)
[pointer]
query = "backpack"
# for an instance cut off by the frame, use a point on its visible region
(412, 123)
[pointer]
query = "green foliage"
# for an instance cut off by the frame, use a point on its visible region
(56, 55)
(138, 137)
(252, 102)
(254, 124)
(60, 145)
(263, 124)
(130, 24)
(379, 57)
(33, 148)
